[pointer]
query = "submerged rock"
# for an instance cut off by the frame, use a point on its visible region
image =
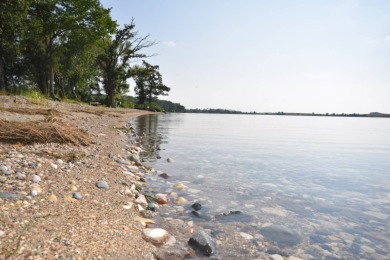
(196, 206)
(234, 215)
(201, 241)
(280, 235)
(201, 216)
(164, 175)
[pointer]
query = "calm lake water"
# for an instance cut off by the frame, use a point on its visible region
(310, 187)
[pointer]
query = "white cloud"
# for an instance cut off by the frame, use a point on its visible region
(387, 38)
(169, 43)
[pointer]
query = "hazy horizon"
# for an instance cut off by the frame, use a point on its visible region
(303, 56)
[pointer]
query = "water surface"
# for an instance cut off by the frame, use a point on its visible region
(325, 181)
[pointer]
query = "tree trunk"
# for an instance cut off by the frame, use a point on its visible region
(2, 74)
(52, 83)
(110, 96)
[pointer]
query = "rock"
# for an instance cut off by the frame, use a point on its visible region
(196, 206)
(151, 207)
(141, 200)
(162, 200)
(59, 162)
(179, 186)
(234, 215)
(52, 198)
(73, 187)
(1, 233)
(246, 235)
(134, 158)
(203, 242)
(199, 215)
(10, 195)
(293, 258)
(3, 179)
(36, 178)
(77, 195)
(180, 201)
(276, 257)
(164, 175)
(156, 235)
(123, 162)
(3, 168)
(170, 160)
(280, 235)
(54, 166)
(102, 185)
(34, 193)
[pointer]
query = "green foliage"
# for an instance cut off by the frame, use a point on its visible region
(169, 106)
(154, 107)
(34, 96)
(149, 83)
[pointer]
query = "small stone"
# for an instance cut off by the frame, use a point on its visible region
(3, 168)
(141, 200)
(59, 162)
(52, 198)
(73, 188)
(69, 198)
(179, 186)
(164, 175)
(102, 185)
(10, 195)
(1, 233)
(170, 160)
(156, 235)
(54, 166)
(36, 178)
(180, 201)
(277, 257)
(3, 179)
(34, 193)
(162, 200)
(196, 206)
(77, 195)
(246, 235)
(202, 241)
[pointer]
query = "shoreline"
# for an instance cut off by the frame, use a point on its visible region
(42, 218)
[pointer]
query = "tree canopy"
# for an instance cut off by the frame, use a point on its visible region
(71, 49)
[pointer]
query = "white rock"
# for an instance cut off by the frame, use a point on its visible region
(54, 166)
(156, 235)
(277, 257)
(34, 193)
(246, 235)
(141, 200)
(1, 233)
(3, 168)
(59, 161)
(36, 178)
(170, 160)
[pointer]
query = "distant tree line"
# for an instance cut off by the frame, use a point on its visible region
(73, 49)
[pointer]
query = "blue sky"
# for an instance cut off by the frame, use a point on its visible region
(268, 56)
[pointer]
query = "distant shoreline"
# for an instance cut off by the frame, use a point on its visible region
(230, 112)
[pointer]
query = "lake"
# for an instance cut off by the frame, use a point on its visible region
(310, 187)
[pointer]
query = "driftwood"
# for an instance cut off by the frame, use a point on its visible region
(48, 131)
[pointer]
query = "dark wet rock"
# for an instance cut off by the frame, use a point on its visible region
(201, 241)
(200, 215)
(196, 206)
(102, 185)
(280, 235)
(10, 195)
(164, 175)
(151, 207)
(234, 215)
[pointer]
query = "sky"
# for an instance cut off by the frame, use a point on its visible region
(322, 56)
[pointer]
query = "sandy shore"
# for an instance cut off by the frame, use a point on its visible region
(39, 216)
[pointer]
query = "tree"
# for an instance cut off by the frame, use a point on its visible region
(114, 62)
(55, 25)
(12, 21)
(149, 84)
